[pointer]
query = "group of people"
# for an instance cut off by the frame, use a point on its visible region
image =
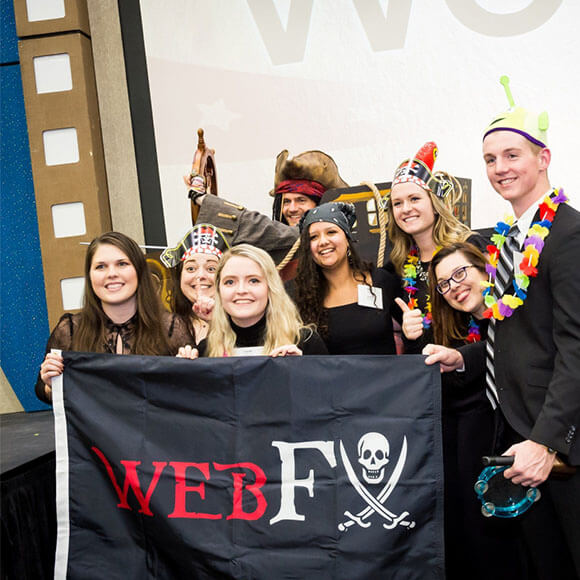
(510, 359)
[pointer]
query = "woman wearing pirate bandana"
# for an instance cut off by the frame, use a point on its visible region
(350, 302)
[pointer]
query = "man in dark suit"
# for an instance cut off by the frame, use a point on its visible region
(534, 365)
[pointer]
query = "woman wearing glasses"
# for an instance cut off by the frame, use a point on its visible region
(458, 273)
(457, 278)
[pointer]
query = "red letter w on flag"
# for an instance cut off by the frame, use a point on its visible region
(132, 481)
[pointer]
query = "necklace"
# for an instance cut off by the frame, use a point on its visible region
(533, 244)
(411, 268)
(473, 333)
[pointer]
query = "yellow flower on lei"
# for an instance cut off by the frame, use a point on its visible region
(531, 255)
(538, 230)
(512, 301)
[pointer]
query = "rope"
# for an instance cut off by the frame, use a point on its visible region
(382, 222)
(289, 255)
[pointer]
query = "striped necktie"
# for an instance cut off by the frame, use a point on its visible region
(505, 269)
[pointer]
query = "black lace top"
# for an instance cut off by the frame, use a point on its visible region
(62, 338)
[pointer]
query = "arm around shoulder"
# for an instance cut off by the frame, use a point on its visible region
(249, 227)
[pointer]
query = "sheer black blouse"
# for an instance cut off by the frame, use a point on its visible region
(62, 338)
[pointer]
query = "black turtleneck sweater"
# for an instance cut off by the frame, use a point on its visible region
(251, 336)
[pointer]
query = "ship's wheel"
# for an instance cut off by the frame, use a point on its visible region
(203, 164)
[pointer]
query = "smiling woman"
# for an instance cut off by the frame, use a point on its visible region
(350, 302)
(114, 280)
(243, 291)
(456, 276)
(425, 234)
(253, 314)
(420, 220)
(122, 313)
(194, 263)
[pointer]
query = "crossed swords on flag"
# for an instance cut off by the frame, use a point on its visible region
(375, 504)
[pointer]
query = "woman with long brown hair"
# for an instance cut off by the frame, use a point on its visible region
(122, 313)
(194, 263)
(349, 301)
(458, 298)
(457, 277)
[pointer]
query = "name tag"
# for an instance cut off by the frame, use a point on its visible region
(370, 296)
(249, 351)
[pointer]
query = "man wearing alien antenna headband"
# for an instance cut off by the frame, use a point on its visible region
(532, 353)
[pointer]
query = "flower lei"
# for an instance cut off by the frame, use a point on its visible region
(410, 285)
(533, 244)
(473, 333)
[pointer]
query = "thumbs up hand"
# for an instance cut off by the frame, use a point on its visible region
(412, 320)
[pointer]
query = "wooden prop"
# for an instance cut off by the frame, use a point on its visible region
(203, 164)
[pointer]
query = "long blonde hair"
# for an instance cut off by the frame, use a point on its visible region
(283, 323)
(447, 229)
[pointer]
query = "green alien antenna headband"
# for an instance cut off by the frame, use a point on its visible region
(530, 125)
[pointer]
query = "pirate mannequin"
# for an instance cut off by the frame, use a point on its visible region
(299, 184)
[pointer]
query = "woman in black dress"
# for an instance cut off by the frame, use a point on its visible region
(122, 313)
(350, 302)
(456, 276)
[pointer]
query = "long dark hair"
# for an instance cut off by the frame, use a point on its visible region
(450, 325)
(312, 286)
(178, 302)
(150, 337)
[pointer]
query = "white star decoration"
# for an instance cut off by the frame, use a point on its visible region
(217, 115)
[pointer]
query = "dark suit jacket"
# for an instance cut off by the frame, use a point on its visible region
(537, 349)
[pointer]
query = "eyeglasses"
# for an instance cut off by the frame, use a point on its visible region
(458, 276)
